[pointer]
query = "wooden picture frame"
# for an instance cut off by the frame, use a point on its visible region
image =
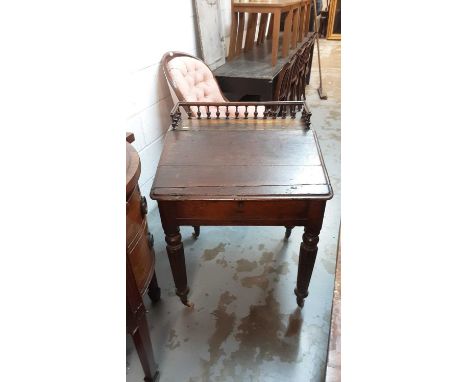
(334, 21)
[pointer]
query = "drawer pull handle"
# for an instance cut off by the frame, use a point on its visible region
(143, 206)
(150, 240)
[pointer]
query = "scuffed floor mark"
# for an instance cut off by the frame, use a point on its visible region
(210, 254)
(173, 343)
(223, 328)
(244, 265)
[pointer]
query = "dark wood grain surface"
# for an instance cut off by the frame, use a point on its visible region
(280, 161)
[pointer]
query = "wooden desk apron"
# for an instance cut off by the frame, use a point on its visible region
(264, 169)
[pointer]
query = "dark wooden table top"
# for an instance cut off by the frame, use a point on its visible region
(241, 159)
(256, 63)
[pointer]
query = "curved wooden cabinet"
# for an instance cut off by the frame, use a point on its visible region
(141, 276)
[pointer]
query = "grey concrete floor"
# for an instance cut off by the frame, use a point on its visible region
(245, 325)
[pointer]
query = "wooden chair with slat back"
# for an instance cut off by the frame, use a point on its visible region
(298, 72)
(304, 68)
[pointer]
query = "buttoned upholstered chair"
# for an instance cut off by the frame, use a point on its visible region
(191, 80)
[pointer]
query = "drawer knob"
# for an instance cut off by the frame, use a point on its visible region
(150, 240)
(143, 206)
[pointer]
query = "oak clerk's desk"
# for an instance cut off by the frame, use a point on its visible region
(249, 168)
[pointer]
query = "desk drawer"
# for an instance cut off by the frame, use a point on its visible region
(245, 212)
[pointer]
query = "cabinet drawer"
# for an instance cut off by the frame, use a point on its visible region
(136, 213)
(141, 256)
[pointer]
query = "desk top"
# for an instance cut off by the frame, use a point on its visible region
(241, 159)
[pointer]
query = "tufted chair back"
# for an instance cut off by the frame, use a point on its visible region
(193, 81)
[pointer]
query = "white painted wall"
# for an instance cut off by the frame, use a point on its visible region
(157, 27)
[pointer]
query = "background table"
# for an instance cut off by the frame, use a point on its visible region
(251, 73)
(242, 170)
(274, 8)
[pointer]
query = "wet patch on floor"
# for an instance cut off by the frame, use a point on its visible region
(270, 272)
(261, 337)
(222, 262)
(223, 328)
(210, 254)
(173, 342)
(244, 265)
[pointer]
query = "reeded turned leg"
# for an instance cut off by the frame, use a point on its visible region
(307, 255)
(141, 338)
(154, 292)
(196, 231)
(175, 252)
(288, 232)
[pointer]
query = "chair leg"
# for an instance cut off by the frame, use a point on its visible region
(288, 232)
(196, 231)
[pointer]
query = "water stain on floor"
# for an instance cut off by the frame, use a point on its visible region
(263, 280)
(223, 328)
(244, 265)
(266, 257)
(294, 323)
(222, 262)
(173, 342)
(261, 337)
(210, 254)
